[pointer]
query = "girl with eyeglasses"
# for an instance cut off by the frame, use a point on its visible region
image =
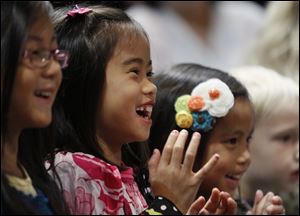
(30, 77)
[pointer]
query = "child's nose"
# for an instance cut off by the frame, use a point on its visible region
(245, 157)
(149, 88)
(53, 71)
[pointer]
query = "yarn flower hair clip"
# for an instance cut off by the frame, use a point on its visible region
(76, 10)
(209, 100)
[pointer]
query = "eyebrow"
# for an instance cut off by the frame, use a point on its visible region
(39, 39)
(286, 130)
(239, 132)
(135, 60)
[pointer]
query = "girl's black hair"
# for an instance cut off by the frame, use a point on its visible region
(17, 17)
(91, 39)
(174, 82)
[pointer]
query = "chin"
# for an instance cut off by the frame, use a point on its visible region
(42, 121)
(142, 137)
(289, 187)
(232, 192)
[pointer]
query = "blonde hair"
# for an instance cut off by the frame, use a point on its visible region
(278, 44)
(269, 91)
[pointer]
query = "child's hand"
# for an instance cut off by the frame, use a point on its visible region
(171, 178)
(219, 203)
(267, 205)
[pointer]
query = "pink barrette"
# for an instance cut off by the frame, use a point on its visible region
(78, 10)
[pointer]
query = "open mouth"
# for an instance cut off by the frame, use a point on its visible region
(233, 177)
(42, 94)
(295, 174)
(144, 111)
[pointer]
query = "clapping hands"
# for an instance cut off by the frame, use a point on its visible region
(171, 174)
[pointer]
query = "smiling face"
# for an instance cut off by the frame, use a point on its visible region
(230, 139)
(128, 96)
(275, 151)
(34, 88)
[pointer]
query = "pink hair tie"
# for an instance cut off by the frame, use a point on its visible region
(78, 10)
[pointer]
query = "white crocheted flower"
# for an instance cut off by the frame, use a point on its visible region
(217, 96)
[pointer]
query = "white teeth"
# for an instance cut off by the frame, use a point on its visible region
(234, 176)
(144, 108)
(139, 109)
(147, 109)
(43, 93)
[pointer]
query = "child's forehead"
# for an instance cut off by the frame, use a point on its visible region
(131, 44)
(240, 118)
(280, 115)
(280, 108)
(42, 23)
(41, 31)
(131, 39)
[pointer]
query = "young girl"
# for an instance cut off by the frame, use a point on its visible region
(105, 102)
(275, 143)
(30, 76)
(215, 104)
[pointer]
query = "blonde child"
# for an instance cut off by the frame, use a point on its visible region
(105, 105)
(275, 143)
(30, 77)
(215, 104)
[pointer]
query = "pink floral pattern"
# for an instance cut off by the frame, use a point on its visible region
(84, 202)
(92, 186)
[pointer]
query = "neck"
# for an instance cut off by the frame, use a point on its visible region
(111, 151)
(247, 190)
(9, 152)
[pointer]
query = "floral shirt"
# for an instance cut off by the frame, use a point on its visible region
(92, 186)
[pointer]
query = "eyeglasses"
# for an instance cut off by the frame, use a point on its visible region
(42, 58)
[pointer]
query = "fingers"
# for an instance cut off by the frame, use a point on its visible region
(277, 207)
(264, 203)
(249, 212)
(196, 206)
(178, 149)
(275, 210)
(208, 166)
(231, 207)
(213, 201)
(223, 203)
(168, 149)
(191, 152)
(276, 200)
(258, 197)
(154, 161)
(227, 206)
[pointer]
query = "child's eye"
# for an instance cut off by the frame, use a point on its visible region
(249, 139)
(135, 71)
(285, 138)
(37, 53)
(150, 74)
(231, 141)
